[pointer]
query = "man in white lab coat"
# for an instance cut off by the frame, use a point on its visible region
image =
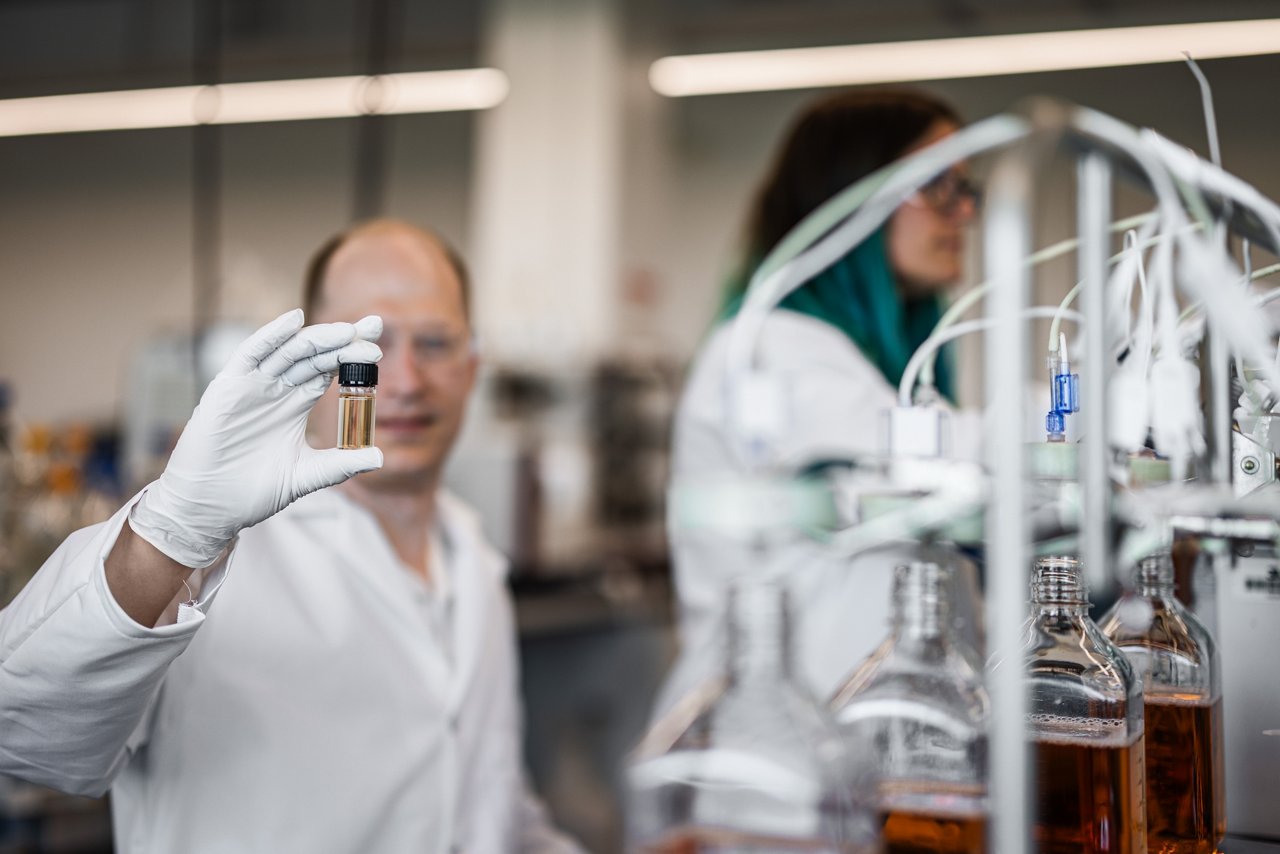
(355, 688)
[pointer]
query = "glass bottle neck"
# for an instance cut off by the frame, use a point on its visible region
(921, 609)
(1154, 578)
(1057, 586)
(759, 631)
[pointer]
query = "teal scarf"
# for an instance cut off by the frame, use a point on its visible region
(859, 296)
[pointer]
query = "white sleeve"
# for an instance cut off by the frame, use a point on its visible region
(837, 400)
(77, 674)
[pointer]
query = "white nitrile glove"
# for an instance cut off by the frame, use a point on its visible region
(243, 457)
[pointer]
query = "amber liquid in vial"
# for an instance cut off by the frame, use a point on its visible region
(355, 421)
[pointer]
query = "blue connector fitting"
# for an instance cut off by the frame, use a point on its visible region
(1064, 394)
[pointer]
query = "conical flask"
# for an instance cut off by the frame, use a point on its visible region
(915, 716)
(1175, 656)
(1085, 721)
(750, 763)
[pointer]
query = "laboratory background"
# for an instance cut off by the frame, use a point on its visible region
(600, 198)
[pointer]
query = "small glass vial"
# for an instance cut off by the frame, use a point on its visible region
(357, 387)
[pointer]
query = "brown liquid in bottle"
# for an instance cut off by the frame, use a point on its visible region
(707, 840)
(914, 832)
(1185, 810)
(1089, 796)
(932, 818)
(355, 421)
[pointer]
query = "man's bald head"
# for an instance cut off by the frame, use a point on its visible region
(363, 241)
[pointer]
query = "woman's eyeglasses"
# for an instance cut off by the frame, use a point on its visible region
(945, 193)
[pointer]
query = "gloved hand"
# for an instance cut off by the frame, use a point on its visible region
(243, 457)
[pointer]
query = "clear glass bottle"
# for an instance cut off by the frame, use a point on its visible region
(749, 763)
(1085, 722)
(1175, 656)
(357, 391)
(916, 712)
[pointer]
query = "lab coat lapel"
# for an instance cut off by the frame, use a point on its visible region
(386, 583)
(476, 571)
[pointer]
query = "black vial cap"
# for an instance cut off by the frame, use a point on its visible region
(358, 374)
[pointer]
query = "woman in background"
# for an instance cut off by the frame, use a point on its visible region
(839, 346)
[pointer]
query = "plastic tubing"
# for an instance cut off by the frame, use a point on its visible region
(956, 330)
(1114, 259)
(1203, 262)
(967, 299)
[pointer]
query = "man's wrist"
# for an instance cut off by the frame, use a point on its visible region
(142, 579)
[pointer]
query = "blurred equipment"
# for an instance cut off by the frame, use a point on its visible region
(162, 390)
(569, 470)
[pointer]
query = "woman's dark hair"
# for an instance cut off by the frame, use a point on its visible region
(836, 141)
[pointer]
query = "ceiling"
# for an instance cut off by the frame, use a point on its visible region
(54, 46)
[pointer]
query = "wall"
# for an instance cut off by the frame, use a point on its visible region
(95, 237)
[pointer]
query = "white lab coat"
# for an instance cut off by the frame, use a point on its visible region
(838, 401)
(311, 710)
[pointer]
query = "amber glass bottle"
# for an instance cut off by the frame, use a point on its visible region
(1086, 723)
(1174, 655)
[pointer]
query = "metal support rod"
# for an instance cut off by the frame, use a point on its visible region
(1217, 387)
(1007, 241)
(373, 132)
(1093, 193)
(206, 187)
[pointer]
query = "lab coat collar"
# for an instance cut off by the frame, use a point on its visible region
(476, 569)
(459, 521)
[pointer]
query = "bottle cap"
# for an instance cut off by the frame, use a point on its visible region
(358, 374)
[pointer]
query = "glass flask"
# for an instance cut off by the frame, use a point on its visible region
(750, 763)
(1175, 656)
(1085, 722)
(916, 712)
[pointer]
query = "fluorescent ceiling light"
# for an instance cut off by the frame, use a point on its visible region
(940, 59)
(268, 101)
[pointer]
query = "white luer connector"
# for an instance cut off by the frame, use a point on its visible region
(917, 431)
(1176, 421)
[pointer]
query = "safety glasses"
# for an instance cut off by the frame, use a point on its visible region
(946, 193)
